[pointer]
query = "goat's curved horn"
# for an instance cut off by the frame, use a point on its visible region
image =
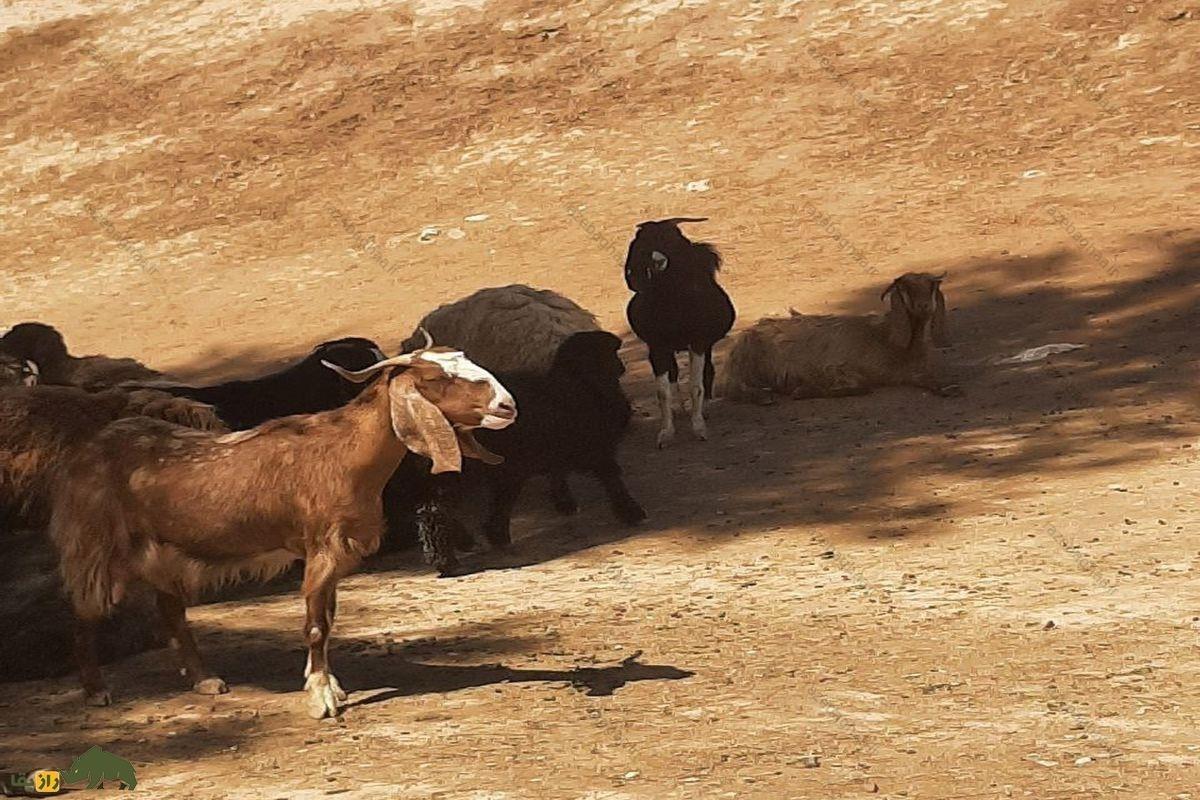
(363, 375)
(428, 338)
(677, 220)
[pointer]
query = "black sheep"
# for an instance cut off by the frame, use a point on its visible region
(677, 305)
(571, 419)
(306, 387)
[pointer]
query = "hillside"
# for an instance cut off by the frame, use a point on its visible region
(981, 597)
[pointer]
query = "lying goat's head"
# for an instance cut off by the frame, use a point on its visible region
(17, 371)
(437, 396)
(917, 306)
(656, 246)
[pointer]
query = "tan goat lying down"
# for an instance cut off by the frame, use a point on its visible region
(183, 510)
(808, 355)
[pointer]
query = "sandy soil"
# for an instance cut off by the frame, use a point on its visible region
(895, 595)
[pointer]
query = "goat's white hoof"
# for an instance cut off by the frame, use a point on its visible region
(700, 429)
(210, 686)
(324, 694)
(665, 437)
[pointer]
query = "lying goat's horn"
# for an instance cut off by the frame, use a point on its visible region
(363, 375)
(677, 220)
(428, 338)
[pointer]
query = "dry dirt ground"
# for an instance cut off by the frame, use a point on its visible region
(895, 595)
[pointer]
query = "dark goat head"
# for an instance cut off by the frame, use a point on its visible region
(917, 303)
(592, 356)
(655, 246)
(36, 342)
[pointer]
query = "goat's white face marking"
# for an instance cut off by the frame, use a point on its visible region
(455, 364)
(659, 261)
(32, 374)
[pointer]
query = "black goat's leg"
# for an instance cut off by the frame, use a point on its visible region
(623, 505)
(666, 374)
(174, 617)
(710, 373)
(506, 489)
(438, 528)
(697, 364)
(560, 494)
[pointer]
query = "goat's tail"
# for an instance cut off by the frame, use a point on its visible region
(93, 545)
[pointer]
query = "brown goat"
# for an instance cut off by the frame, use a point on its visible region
(830, 356)
(44, 346)
(182, 510)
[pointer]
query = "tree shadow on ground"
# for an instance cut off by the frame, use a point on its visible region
(891, 464)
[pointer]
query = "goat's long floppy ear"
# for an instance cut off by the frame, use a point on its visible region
(421, 426)
(473, 449)
(937, 327)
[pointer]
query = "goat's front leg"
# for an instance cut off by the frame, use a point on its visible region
(174, 617)
(506, 489)
(666, 370)
(320, 595)
(696, 367)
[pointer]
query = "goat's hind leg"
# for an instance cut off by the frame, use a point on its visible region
(320, 595)
(697, 365)
(560, 494)
(174, 617)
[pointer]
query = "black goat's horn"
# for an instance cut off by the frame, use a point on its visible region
(677, 220)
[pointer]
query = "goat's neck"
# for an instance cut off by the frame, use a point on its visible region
(374, 452)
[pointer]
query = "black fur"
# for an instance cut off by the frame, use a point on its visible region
(569, 420)
(303, 388)
(682, 307)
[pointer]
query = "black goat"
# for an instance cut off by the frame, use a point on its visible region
(677, 305)
(306, 387)
(572, 420)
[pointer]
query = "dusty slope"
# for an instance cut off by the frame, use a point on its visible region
(211, 186)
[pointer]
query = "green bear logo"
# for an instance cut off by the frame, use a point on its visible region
(97, 766)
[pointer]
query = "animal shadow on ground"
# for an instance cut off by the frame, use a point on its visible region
(272, 659)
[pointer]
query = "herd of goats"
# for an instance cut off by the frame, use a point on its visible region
(139, 482)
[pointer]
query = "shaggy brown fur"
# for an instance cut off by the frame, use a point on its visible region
(807, 355)
(486, 324)
(181, 510)
(44, 346)
(42, 427)
(41, 430)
